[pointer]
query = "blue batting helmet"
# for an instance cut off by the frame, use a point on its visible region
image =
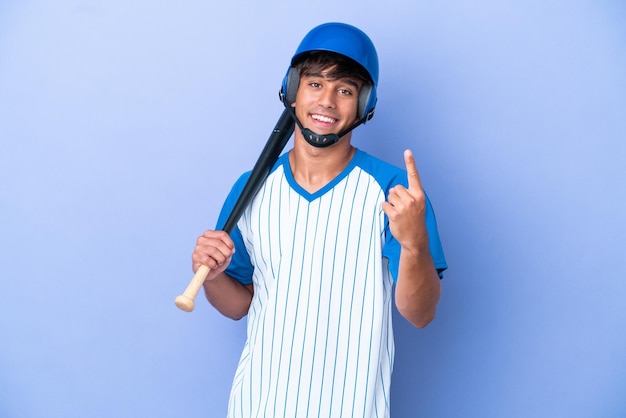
(345, 40)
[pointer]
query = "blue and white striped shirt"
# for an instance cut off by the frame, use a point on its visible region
(319, 337)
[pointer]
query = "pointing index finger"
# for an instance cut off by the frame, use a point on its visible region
(411, 171)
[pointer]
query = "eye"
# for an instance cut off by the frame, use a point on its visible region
(314, 84)
(345, 92)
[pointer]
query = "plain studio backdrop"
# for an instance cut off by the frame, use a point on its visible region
(123, 125)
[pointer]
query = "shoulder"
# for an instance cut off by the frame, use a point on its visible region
(385, 173)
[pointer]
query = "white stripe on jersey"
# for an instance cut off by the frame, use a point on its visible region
(320, 341)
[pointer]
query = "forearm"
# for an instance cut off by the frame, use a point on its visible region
(231, 298)
(418, 287)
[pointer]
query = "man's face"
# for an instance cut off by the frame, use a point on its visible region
(325, 105)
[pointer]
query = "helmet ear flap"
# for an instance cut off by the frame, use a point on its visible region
(367, 102)
(290, 86)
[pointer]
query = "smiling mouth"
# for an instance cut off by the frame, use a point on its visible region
(322, 118)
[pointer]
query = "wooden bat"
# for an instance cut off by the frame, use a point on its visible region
(275, 144)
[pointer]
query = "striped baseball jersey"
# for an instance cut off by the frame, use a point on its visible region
(319, 333)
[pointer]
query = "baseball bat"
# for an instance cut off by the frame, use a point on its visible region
(270, 153)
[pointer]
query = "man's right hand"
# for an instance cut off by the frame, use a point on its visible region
(215, 250)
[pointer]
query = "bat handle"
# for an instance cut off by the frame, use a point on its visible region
(186, 300)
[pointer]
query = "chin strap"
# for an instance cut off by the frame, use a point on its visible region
(322, 141)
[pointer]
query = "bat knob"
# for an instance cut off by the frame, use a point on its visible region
(184, 303)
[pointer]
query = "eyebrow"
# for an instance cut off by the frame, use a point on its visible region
(346, 80)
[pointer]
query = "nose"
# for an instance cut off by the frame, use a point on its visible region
(327, 98)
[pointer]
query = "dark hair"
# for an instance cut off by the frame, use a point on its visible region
(339, 65)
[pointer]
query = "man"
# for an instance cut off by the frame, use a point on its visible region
(314, 258)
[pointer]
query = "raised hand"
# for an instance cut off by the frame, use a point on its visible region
(406, 207)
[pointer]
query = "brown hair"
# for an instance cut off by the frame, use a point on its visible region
(339, 66)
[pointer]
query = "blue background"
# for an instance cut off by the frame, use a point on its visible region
(124, 124)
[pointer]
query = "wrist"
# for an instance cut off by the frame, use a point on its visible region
(416, 251)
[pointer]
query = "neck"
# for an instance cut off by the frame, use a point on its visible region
(313, 167)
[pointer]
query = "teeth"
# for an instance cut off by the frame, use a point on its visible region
(322, 118)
